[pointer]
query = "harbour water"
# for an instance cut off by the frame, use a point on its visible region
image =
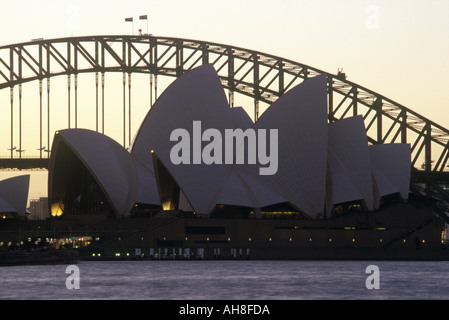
(229, 280)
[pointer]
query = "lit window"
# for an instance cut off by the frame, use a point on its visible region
(167, 206)
(57, 209)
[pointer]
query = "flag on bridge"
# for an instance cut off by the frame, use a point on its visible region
(129, 19)
(144, 17)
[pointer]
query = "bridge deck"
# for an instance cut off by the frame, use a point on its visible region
(24, 163)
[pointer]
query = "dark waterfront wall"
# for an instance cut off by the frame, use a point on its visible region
(353, 235)
(399, 232)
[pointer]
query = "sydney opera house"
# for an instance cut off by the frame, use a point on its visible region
(202, 179)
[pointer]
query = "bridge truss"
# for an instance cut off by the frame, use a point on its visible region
(257, 75)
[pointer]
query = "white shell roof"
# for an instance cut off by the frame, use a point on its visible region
(196, 96)
(382, 186)
(236, 192)
(393, 161)
(6, 207)
(14, 194)
(147, 191)
(108, 162)
(300, 116)
(350, 162)
(241, 188)
(342, 188)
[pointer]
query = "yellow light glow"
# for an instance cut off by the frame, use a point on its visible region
(167, 206)
(57, 209)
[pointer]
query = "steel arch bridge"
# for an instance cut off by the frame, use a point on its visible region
(260, 76)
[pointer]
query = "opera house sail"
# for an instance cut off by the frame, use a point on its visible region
(14, 196)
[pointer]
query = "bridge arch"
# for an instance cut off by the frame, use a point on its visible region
(259, 76)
